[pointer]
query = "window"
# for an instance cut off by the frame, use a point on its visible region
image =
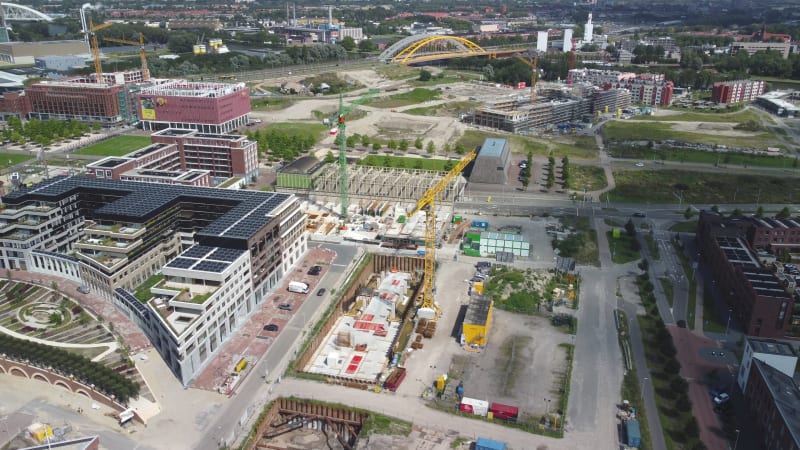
(98, 173)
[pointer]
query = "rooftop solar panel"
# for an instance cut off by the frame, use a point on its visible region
(181, 263)
(197, 251)
(211, 266)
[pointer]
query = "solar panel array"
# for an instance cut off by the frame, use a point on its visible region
(142, 201)
(204, 258)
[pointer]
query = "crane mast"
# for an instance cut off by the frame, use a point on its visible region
(340, 120)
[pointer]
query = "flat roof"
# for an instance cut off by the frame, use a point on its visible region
(786, 396)
(492, 148)
(771, 346)
(244, 212)
(303, 166)
(478, 310)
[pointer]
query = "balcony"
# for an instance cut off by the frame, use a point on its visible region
(118, 231)
(106, 244)
(184, 294)
(110, 262)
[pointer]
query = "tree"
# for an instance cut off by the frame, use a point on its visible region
(351, 141)
(430, 148)
(403, 145)
(760, 211)
(348, 43)
(715, 208)
(418, 143)
(688, 213)
(630, 228)
(366, 45)
(96, 126)
(392, 144)
(785, 213)
(424, 75)
(460, 148)
(330, 158)
(447, 149)
(376, 145)
(365, 140)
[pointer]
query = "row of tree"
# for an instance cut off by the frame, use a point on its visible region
(83, 369)
(44, 132)
(282, 145)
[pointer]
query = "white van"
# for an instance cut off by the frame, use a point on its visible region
(299, 287)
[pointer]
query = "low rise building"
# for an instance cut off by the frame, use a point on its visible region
(778, 103)
(778, 354)
(475, 329)
(492, 163)
(774, 402)
(752, 47)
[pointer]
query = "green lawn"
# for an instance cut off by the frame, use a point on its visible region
(624, 249)
(658, 131)
(652, 247)
(690, 226)
(317, 130)
(582, 244)
(406, 163)
(116, 146)
(590, 177)
(524, 145)
(12, 159)
(413, 97)
(722, 159)
(738, 116)
(663, 186)
(669, 291)
(689, 273)
(269, 103)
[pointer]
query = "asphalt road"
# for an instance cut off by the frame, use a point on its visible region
(238, 413)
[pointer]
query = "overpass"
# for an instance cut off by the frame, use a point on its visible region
(420, 48)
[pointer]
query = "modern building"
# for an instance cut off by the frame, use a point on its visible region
(728, 92)
(222, 155)
(774, 402)
(541, 41)
(610, 100)
(74, 100)
(566, 46)
(156, 163)
(588, 30)
(492, 163)
(27, 52)
(14, 104)
(60, 63)
(299, 174)
(761, 301)
(774, 233)
(777, 102)
(516, 114)
(752, 47)
(779, 355)
(207, 107)
(199, 259)
(646, 88)
(475, 329)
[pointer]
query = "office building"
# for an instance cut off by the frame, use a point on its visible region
(780, 355)
(214, 253)
(774, 402)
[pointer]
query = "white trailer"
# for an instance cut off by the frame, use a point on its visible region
(299, 287)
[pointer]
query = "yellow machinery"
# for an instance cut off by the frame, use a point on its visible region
(534, 65)
(427, 204)
(145, 70)
(98, 68)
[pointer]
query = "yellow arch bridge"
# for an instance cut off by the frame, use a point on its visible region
(430, 47)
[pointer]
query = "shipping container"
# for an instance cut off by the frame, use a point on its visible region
(395, 378)
(634, 435)
(489, 444)
(504, 412)
(474, 406)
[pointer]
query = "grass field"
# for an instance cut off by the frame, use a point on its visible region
(590, 177)
(738, 116)
(318, 130)
(624, 249)
(655, 131)
(269, 104)
(720, 159)
(690, 226)
(116, 146)
(669, 290)
(652, 247)
(413, 97)
(663, 186)
(405, 163)
(12, 159)
(523, 145)
(689, 273)
(582, 244)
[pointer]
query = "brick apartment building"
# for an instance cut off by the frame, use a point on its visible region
(647, 88)
(774, 401)
(762, 299)
(728, 92)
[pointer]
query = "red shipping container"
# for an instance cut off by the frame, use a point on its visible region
(504, 412)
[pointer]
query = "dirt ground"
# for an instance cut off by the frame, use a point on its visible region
(716, 128)
(522, 365)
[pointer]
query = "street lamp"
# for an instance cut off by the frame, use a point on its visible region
(736, 443)
(546, 406)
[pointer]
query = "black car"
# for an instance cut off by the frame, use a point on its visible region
(285, 306)
(271, 327)
(639, 214)
(321, 292)
(314, 270)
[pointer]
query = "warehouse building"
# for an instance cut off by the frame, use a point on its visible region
(777, 103)
(492, 163)
(210, 255)
(475, 329)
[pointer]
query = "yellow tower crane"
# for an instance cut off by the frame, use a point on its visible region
(427, 204)
(534, 65)
(92, 31)
(145, 70)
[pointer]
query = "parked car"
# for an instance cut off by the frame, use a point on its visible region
(639, 214)
(523, 164)
(639, 164)
(321, 292)
(285, 306)
(717, 391)
(83, 289)
(722, 399)
(681, 324)
(271, 327)
(314, 270)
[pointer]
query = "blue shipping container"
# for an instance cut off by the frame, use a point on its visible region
(482, 224)
(634, 435)
(488, 444)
